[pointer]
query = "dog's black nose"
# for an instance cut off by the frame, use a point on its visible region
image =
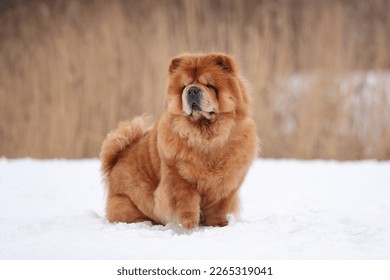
(193, 91)
(194, 96)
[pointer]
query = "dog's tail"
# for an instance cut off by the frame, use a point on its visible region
(121, 138)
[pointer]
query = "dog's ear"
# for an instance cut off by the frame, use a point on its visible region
(175, 62)
(226, 63)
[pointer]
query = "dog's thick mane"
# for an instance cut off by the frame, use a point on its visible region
(203, 134)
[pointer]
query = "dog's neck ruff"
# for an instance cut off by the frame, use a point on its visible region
(203, 134)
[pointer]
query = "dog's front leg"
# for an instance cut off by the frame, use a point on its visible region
(176, 199)
(215, 214)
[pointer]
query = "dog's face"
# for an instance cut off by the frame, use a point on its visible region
(204, 87)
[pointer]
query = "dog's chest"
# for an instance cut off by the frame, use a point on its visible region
(204, 172)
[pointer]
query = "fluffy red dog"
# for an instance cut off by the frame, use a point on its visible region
(188, 167)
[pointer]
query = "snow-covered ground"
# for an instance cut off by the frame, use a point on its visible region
(54, 209)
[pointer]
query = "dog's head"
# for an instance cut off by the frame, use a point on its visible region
(205, 87)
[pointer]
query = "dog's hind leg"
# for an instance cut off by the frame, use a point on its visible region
(120, 208)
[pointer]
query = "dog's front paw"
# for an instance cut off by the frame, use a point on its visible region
(216, 222)
(189, 220)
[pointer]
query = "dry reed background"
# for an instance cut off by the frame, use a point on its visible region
(70, 70)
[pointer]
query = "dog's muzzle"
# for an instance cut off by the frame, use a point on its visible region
(194, 97)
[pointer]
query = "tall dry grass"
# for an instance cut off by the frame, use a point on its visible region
(70, 70)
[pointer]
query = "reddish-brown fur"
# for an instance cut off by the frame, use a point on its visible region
(189, 166)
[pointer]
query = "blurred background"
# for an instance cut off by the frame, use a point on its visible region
(319, 70)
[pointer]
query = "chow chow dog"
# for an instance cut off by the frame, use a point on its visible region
(188, 166)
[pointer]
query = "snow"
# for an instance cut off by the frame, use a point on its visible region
(54, 209)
